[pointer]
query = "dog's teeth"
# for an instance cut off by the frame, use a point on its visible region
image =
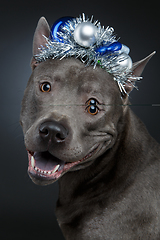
(56, 168)
(32, 162)
(45, 172)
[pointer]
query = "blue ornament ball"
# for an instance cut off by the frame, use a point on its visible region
(57, 27)
(116, 46)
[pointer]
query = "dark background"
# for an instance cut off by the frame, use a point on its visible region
(27, 210)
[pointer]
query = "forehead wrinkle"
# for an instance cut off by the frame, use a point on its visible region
(90, 83)
(89, 89)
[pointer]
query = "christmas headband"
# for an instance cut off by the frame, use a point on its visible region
(94, 45)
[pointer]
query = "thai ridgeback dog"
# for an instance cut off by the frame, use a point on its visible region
(106, 163)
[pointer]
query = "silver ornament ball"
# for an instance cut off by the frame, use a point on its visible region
(124, 49)
(85, 34)
(123, 61)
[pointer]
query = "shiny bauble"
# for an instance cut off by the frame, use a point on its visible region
(125, 49)
(113, 47)
(57, 28)
(122, 62)
(85, 34)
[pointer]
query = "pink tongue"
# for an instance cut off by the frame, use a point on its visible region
(45, 161)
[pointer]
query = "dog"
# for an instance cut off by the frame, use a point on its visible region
(79, 129)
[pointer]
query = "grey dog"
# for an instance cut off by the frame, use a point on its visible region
(106, 163)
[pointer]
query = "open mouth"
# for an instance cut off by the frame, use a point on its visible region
(45, 166)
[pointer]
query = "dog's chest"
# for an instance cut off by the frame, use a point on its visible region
(132, 214)
(107, 223)
(92, 221)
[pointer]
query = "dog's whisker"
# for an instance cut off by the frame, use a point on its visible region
(14, 123)
(19, 136)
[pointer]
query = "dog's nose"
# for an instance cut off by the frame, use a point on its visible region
(53, 130)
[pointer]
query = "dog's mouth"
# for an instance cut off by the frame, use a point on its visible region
(44, 167)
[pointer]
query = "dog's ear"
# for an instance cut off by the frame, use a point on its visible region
(137, 70)
(38, 39)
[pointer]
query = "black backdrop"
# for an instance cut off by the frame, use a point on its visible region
(27, 210)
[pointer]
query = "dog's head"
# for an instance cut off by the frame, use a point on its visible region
(71, 114)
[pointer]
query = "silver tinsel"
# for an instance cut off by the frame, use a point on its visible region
(67, 47)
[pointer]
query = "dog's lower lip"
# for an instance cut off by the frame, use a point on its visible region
(57, 171)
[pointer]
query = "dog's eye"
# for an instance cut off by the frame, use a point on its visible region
(45, 87)
(92, 107)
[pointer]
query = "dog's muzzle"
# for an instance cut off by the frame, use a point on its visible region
(45, 168)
